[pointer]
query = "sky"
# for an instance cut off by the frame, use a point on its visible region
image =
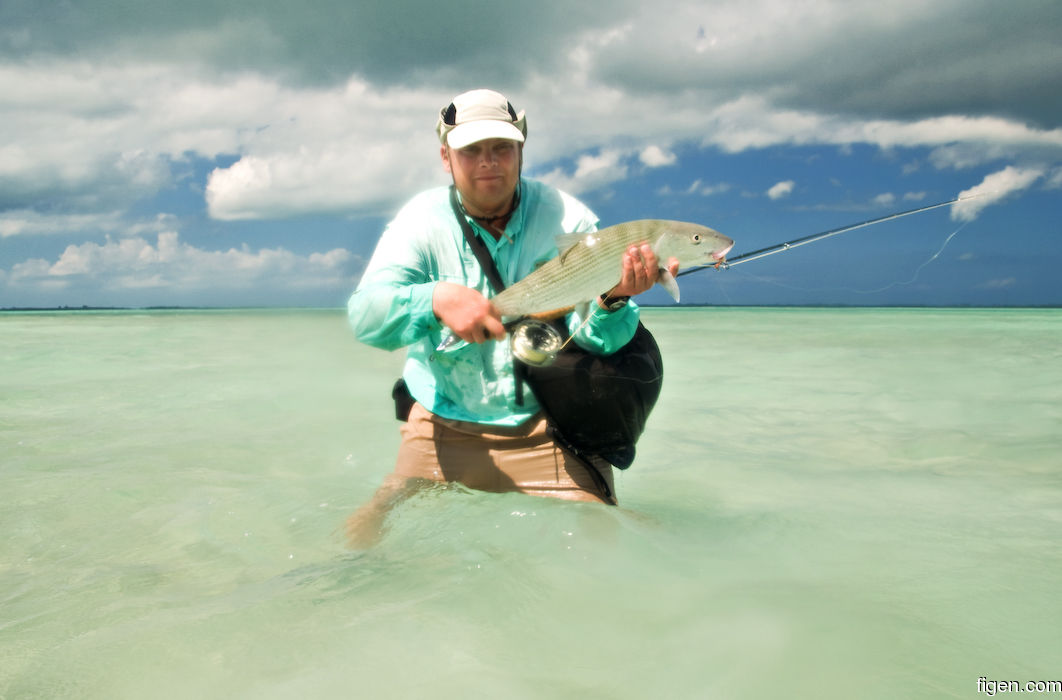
(249, 153)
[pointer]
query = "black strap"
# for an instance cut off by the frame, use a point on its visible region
(479, 249)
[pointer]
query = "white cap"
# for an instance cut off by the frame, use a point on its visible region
(477, 115)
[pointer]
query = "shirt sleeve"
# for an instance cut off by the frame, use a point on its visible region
(606, 331)
(392, 306)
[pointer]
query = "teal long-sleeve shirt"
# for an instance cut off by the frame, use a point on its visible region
(424, 245)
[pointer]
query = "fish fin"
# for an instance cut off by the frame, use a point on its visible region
(668, 282)
(565, 241)
(451, 341)
(583, 309)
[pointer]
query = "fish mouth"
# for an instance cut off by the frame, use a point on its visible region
(720, 253)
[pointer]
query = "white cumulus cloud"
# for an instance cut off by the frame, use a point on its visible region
(993, 188)
(656, 157)
(781, 189)
(27, 222)
(177, 268)
(591, 171)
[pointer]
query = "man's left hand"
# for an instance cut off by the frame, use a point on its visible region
(641, 269)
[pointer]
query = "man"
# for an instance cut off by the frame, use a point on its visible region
(471, 423)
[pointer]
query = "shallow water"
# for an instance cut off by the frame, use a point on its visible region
(827, 503)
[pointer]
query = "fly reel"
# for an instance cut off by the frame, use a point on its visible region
(535, 342)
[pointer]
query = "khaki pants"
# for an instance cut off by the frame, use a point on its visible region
(494, 458)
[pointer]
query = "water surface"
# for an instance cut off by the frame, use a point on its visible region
(827, 503)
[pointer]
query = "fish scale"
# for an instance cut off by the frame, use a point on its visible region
(591, 264)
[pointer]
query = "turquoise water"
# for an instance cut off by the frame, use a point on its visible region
(827, 504)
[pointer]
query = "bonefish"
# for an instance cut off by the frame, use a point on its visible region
(590, 264)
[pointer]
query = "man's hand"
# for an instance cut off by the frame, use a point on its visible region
(466, 312)
(641, 268)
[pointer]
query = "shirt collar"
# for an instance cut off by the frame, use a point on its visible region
(513, 230)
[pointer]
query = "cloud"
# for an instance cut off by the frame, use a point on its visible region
(179, 269)
(356, 149)
(906, 60)
(101, 136)
(27, 222)
(591, 172)
(994, 188)
(749, 122)
(100, 119)
(656, 157)
(321, 43)
(698, 187)
(781, 189)
(109, 135)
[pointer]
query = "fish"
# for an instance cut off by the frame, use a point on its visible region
(590, 264)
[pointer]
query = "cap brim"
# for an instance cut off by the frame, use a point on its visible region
(464, 134)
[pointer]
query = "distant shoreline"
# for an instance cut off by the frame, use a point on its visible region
(76, 309)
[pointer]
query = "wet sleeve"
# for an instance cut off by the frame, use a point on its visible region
(392, 306)
(606, 331)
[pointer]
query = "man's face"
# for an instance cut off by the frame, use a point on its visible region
(486, 173)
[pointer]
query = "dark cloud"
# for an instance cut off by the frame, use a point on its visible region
(997, 59)
(104, 97)
(902, 60)
(976, 57)
(407, 41)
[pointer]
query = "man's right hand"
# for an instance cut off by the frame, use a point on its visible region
(466, 312)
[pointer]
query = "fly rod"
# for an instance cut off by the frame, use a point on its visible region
(797, 242)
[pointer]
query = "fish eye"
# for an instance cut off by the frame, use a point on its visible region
(696, 238)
